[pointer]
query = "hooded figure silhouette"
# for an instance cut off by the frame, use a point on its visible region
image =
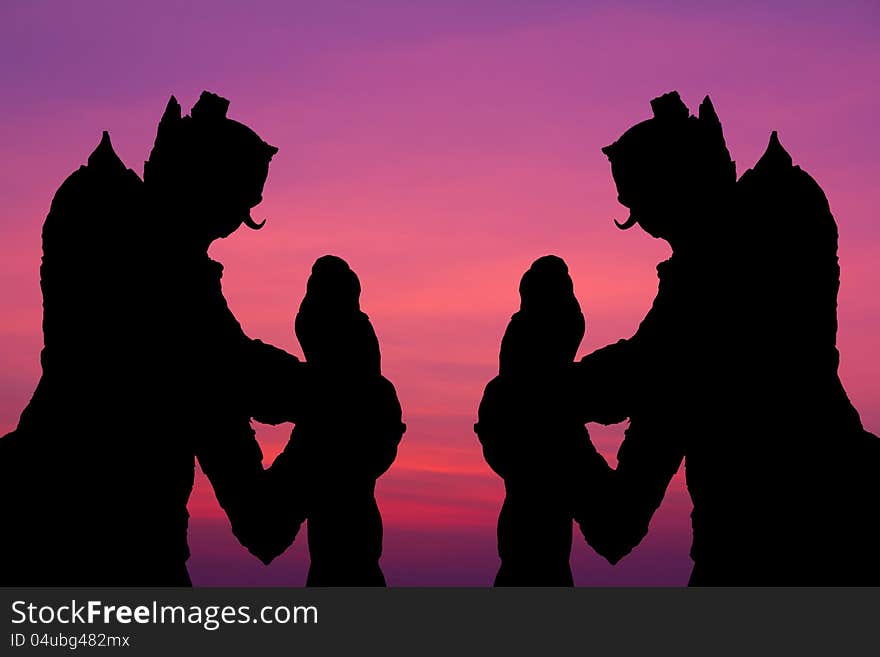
(344, 523)
(541, 340)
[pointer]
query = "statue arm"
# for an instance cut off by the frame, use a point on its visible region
(276, 384)
(600, 383)
(592, 390)
(264, 507)
(615, 507)
(267, 507)
(603, 383)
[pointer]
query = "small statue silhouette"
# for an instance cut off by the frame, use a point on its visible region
(541, 340)
(344, 523)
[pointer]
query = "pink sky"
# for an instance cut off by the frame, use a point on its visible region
(439, 148)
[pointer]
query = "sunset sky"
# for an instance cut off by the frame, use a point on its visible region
(439, 147)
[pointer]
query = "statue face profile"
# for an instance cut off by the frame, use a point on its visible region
(670, 168)
(207, 168)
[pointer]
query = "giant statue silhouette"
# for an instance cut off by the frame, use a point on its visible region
(145, 368)
(733, 370)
